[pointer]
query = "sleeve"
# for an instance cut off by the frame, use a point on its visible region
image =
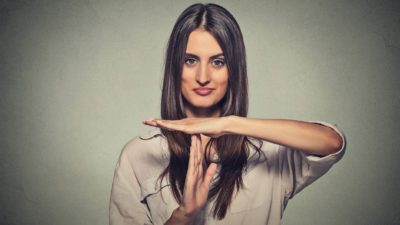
(299, 169)
(125, 207)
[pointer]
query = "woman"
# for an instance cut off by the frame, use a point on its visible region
(208, 163)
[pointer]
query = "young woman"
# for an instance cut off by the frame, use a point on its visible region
(206, 163)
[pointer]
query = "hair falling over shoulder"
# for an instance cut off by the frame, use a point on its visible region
(232, 150)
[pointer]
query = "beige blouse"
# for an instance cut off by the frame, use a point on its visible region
(269, 182)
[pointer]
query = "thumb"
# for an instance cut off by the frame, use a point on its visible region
(211, 170)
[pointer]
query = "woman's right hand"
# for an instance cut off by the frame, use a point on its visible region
(196, 187)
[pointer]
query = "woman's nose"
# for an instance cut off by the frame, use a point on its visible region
(203, 76)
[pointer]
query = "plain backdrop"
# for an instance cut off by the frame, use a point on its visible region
(78, 77)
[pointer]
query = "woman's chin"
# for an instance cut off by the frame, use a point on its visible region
(205, 109)
(205, 106)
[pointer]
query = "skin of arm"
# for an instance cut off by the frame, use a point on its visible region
(178, 218)
(311, 138)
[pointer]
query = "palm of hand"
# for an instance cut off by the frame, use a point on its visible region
(212, 127)
(197, 184)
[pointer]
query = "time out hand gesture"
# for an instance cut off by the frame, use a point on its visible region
(197, 183)
(212, 126)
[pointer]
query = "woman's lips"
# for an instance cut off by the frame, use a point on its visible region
(203, 91)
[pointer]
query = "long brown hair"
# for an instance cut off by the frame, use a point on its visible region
(232, 150)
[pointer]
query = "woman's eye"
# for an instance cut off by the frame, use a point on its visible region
(218, 63)
(190, 61)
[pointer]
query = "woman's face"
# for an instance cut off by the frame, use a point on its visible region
(204, 74)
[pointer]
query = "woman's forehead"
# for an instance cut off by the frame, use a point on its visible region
(202, 43)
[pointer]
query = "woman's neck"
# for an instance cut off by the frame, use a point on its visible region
(194, 112)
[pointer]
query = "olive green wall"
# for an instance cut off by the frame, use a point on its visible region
(77, 78)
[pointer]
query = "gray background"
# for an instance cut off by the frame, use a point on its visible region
(77, 78)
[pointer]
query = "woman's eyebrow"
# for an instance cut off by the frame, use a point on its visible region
(191, 55)
(217, 55)
(187, 54)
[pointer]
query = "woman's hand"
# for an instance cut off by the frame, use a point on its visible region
(197, 183)
(213, 126)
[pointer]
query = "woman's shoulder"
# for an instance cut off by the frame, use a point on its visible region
(147, 138)
(146, 155)
(146, 147)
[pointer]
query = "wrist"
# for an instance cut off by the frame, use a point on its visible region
(229, 125)
(181, 217)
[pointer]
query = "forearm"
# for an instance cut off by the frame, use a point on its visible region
(311, 138)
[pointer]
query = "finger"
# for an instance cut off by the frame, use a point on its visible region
(183, 125)
(202, 150)
(199, 155)
(172, 121)
(199, 149)
(195, 154)
(150, 122)
(170, 126)
(211, 170)
(191, 179)
(192, 161)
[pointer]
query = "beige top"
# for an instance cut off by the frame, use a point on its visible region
(269, 183)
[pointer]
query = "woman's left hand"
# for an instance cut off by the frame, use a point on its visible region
(211, 126)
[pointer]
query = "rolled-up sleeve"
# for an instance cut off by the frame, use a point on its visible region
(299, 169)
(125, 206)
